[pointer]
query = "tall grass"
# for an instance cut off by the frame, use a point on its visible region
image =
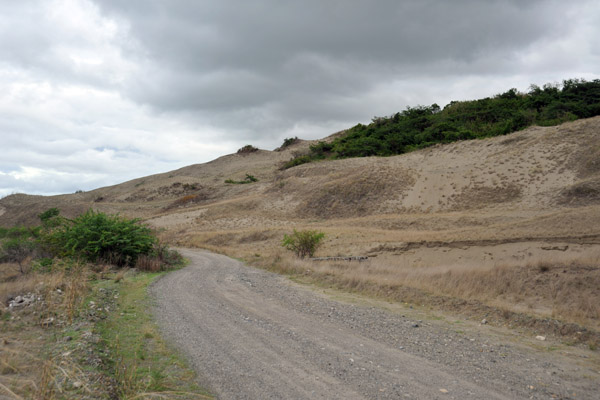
(27, 370)
(569, 291)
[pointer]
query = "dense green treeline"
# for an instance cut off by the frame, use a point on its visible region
(423, 126)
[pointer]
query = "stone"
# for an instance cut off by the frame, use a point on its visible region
(483, 321)
(22, 301)
(540, 338)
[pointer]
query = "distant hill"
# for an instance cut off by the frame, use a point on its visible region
(540, 169)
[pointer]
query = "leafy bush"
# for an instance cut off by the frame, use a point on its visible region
(248, 179)
(48, 214)
(50, 218)
(423, 126)
(247, 149)
(90, 237)
(95, 236)
(303, 243)
(288, 142)
(299, 160)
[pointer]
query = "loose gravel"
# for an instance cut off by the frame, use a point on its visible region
(251, 334)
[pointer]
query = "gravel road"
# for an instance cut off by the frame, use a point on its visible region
(251, 334)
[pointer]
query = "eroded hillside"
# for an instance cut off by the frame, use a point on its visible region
(475, 207)
(531, 183)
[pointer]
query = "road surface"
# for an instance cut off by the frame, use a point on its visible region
(251, 334)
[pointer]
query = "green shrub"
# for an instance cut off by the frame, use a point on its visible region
(247, 149)
(248, 179)
(167, 256)
(48, 214)
(95, 236)
(303, 243)
(43, 264)
(297, 161)
(289, 141)
(50, 218)
(423, 126)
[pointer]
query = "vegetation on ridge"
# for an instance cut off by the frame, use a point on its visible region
(423, 126)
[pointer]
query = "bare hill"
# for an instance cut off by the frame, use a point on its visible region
(468, 208)
(516, 179)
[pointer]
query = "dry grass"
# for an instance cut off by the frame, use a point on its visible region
(187, 200)
(62, 290)
(20, 372)
(13, 283)
(148, 264)
(26, 375)
(25, 369)
(567, 291)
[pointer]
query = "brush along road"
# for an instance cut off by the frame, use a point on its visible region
(251, 334)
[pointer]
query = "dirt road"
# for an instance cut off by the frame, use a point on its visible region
(251, 334)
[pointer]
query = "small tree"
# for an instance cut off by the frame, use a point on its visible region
(303, 243)
(18, 250)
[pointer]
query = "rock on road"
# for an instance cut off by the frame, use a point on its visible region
(251, 334)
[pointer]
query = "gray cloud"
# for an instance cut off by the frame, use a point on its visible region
(217, 58)
(107, 89)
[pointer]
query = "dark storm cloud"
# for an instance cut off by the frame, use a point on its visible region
(301, 59)
(265, 34)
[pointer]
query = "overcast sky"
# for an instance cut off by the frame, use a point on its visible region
(97, 92)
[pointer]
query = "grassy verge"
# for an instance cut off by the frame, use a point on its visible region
(142, 364)
(86, 334)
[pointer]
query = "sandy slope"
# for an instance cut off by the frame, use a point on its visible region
(539, 169)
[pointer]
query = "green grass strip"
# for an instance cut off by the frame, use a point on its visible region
(143, 365)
